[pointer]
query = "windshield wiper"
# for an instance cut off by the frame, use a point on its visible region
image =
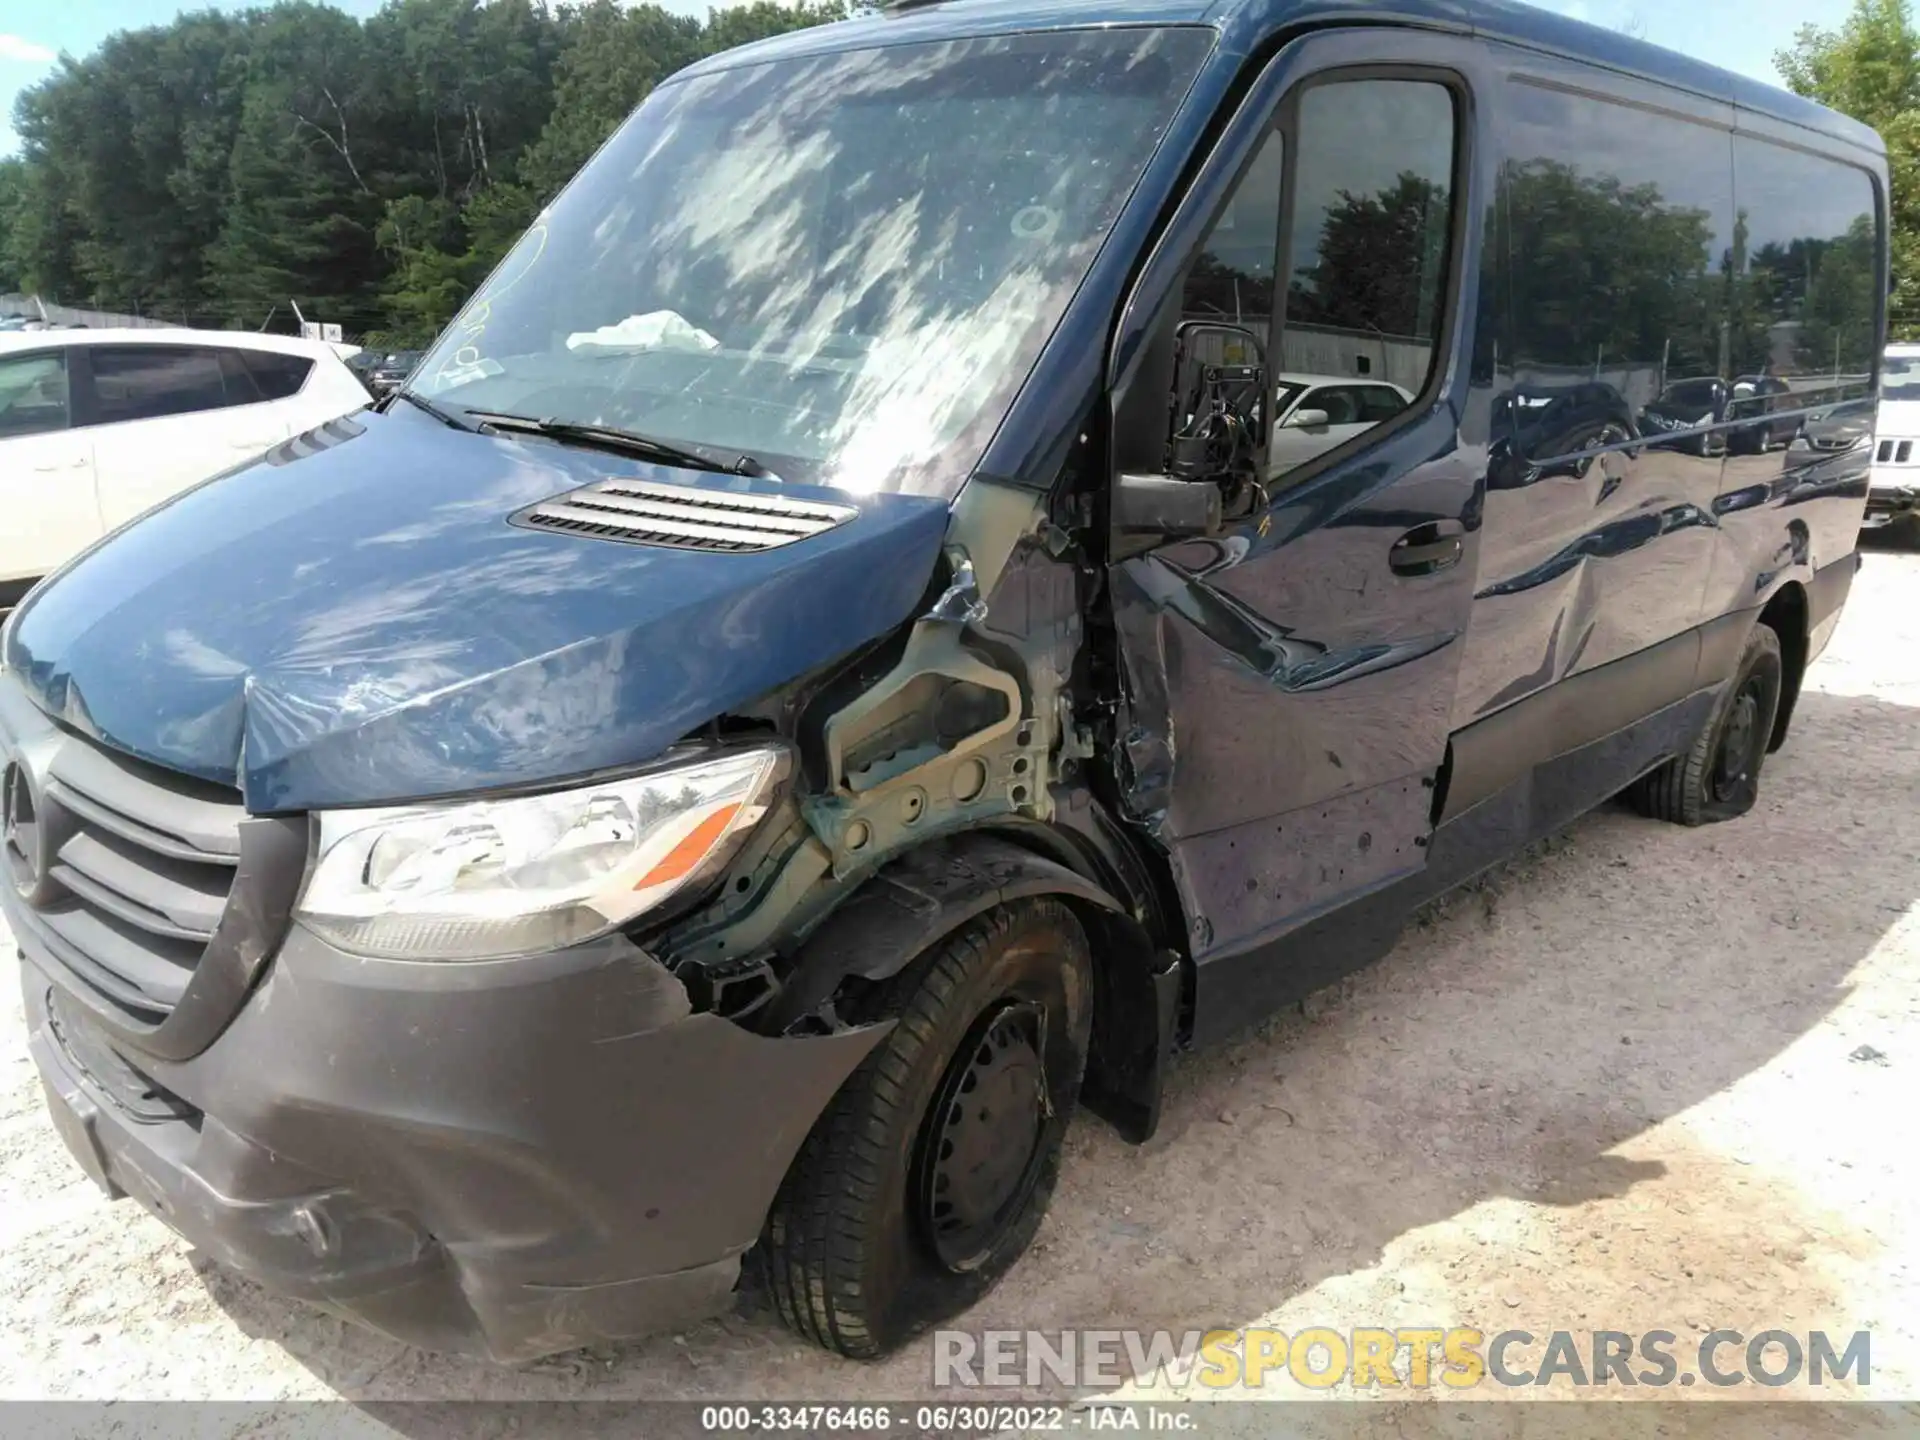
(625, 442)
(439, 412)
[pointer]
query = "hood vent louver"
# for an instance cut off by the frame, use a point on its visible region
(312, 442)
(680, 517)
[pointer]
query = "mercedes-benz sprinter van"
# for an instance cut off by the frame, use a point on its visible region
(832, 660)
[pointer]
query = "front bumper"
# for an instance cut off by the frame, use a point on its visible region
(508, 1159)
(1889, 503)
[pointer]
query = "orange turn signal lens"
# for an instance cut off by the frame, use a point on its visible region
(691, 849)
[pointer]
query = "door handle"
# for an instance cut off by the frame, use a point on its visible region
(1428, 549)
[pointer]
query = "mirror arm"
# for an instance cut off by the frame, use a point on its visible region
(1214, 449)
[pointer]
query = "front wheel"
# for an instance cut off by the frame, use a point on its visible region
(1719, 778)
(929, 1173)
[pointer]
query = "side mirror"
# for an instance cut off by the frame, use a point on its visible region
(1307, 420)
(1163, 506)
(1219, 407)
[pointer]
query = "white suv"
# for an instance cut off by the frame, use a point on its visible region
(98, 426)
(1895, 494)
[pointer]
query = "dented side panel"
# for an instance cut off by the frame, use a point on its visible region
(1288, 695)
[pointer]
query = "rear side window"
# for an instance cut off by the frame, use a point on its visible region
(149, 382)
(1807, 273)
(278, 376)
(1617, 222)
(33, 394)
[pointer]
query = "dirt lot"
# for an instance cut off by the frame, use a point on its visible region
(1645, 1078)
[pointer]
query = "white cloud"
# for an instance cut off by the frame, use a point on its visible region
(15, 47)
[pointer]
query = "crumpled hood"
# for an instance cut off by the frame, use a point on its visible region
(362, 624)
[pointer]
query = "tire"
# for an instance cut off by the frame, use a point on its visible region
(1606, 435)
(1719, 778)
(857, 1254)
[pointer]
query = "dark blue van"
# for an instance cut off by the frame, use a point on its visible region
(825, 665)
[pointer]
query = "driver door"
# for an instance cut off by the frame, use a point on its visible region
(1288, 680)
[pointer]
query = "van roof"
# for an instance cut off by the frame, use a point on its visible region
(1505, 20)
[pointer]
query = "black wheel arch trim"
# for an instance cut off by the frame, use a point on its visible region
(925, 895)
(1796, 608)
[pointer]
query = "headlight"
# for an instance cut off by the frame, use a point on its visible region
(485, 879)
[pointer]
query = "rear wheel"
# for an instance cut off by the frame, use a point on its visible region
(929, 1173)
(1719, 778)
(1601, 439)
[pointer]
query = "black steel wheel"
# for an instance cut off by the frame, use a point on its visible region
(980, 1152)
(1719, 777)
(928, 1174)
(1742, 745)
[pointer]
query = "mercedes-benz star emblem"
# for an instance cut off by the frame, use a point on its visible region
(20, 828)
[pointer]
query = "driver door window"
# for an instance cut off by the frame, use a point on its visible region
(1360, 231)
(1370, 211)
(1231, 281)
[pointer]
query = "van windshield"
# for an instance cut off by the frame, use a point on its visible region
(843, 264)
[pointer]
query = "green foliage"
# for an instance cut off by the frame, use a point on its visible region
(225, 167)
(1870, 69)
(14, 180)
(1841, 292)
(1379, 261)
(1576, 236)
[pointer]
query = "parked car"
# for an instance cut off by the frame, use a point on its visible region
(391, 370)
(1318, 413)
(1893, 495)
(1544, 431)
(827, 665)
(1835, 429)
(362, 364)
(97, 426)
(1704, 415)
(1773, 416)
(1687, 415)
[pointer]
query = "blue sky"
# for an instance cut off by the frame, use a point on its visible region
(1738, 34)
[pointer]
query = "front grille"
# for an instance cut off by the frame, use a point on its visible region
(115, 1077)
(639, 512)
(136, 867)
(1894, 452)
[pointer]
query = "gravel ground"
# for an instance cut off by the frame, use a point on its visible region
(1620, 1085)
